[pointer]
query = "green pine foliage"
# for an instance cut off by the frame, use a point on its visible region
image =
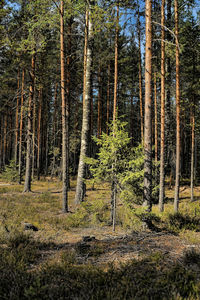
(10, 173)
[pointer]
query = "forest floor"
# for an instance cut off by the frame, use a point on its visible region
(167, 256)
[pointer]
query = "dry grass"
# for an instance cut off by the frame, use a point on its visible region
(57, 248)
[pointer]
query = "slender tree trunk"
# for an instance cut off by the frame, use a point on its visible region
(68, 87)
(156, 119)
(148, 107)
(85, 52)
(21, 127)
(33, 136)
(192, 153)
(114, 183)
(162, 144)
(108, 100)
(54, 129)
(5, 138)
(140, 78)
(116, 67)
(80, 187)
(17, 118)
(39, 132)
(99, 103)
(65, 158)
(178, 138)
(168, 92)
(27, 183)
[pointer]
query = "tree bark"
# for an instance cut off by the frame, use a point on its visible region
(21, 127)
(148, 106)
(116, 66)
(85, 52)
(99, 119)
(27, 183)
(156, 119)
(108, 100)
(65, 158)
(162, 144)
(168, 90)
(178, 136)
(39, 132)
(80, 187)
(140, 78)
(33, 136)
(192, 152)
(17, 118)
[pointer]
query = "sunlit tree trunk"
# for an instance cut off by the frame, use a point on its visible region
(140, 78)
(108, 100)
(54, 129)
(162, 143)
(17, 117)
(168, 89)
(39, 132)
(99, 103)
(85, 52)
(27, 183)
(114, 183)
(80, 187)
(33, 136)
(65, 158)
(21, 127)
(178, 139)
(116, 67)
(148, 107)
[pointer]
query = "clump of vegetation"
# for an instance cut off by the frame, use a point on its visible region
(180, 221)
(192, 257)
(89, 213)
(10, 173)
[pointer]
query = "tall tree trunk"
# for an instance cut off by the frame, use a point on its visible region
(80, 187)
(54, 130)
(140, 78)
(68, 86)
(33, 136)
(5, 138)
(168, 88)
(192, 152)
(162, 144)
(39, 132)
(116, 67)
(114, 183)
(108, 100)
(27, 183)
(17, 117)
(148, 107)
(178, 138)
(99, 103)
(156, 119)
(21, 127)
(65, 116)
(85, 52)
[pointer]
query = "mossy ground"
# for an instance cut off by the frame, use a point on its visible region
(56, 263)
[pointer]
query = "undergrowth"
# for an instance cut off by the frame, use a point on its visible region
(150, 278)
